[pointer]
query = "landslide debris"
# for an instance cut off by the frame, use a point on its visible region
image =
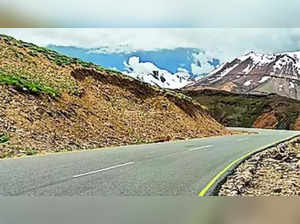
(51, 102)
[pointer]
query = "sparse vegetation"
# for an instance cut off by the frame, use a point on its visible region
(3, 138)
(32, 53)
(141, 141)
(238, 110)
(6, 154)
(286, 120)
(30, 151)
(6, 37)
(25, 85)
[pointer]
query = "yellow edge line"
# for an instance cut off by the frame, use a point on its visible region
(214, 180)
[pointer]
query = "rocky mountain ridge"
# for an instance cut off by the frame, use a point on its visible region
(256, 73)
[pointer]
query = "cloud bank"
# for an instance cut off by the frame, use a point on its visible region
(220, 43)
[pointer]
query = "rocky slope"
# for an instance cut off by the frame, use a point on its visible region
(249, 110)
(274, 172)
(51, 102)
(256, 73)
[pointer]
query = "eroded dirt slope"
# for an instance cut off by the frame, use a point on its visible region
(51, 102)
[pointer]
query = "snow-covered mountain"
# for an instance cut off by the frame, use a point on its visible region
(256, 73)
(150, 73)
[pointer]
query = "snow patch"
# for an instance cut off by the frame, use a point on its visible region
(223, 73)
(150, 73)
(248, 83)
(258, 58)
(263, 79)
(247, 69)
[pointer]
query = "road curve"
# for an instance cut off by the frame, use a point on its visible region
(183, 168)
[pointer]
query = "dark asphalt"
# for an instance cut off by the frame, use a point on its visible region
(163, 169)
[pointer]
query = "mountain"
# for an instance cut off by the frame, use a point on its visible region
(149, 73)
(50, 102)
(167, 68)
(249, 110)
(256, 73)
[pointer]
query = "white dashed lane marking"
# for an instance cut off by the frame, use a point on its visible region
(102, 170)
(241, 139)
(201, 148)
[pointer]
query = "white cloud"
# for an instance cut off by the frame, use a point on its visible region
(221, 43)
(141, 67)
(201, 65)
(183, 70)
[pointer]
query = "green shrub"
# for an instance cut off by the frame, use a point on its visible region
(5, 37)
(141, 141)
(3, 138)
(32, 53)
(30, 151)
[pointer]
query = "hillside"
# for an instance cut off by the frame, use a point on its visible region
(256, 73)
(51, 102)
(249, 110)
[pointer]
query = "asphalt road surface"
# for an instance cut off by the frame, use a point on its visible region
(182, 168)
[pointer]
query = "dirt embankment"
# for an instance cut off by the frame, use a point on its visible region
(95, 108)
(266, 120)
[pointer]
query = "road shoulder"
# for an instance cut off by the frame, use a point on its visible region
(271, 172)
(214, 186)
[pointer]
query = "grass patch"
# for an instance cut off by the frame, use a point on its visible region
(25, 85)
(7, 38)
(141, 141)
(231, 110)
(30, 151)
(238, 110)
(3, 138)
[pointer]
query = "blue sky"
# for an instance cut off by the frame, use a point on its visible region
(191, 60)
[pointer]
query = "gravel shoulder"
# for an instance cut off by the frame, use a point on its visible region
(273, 172)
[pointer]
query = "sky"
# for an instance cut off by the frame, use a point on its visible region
(221, 30)
(222, 43)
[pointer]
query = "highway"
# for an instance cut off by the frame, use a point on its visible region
(180, 168)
